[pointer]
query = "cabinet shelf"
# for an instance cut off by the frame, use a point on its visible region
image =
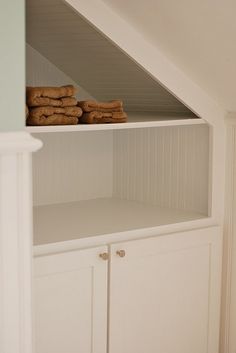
(134, 121)
(75, 220)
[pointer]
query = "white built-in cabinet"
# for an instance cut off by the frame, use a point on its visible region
(127, 247)
(158, 294)
(127, 258)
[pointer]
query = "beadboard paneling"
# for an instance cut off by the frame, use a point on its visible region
(165, 166)
(73, 167)
(93, 61)
(41, 72)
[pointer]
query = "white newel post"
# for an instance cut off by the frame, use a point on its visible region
(16, 241)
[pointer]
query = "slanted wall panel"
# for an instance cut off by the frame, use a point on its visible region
(92, 61)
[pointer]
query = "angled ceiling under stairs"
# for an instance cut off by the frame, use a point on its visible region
(93, 61)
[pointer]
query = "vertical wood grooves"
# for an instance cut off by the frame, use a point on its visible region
(167, 167)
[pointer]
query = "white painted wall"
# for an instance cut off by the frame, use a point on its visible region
(198, 36)
(41, 72)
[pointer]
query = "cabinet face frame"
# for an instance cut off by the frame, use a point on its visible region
(50, 272)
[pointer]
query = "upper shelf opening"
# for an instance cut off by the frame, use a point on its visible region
(95, 63)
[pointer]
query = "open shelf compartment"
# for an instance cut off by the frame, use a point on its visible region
(64, 48)
(90, 184)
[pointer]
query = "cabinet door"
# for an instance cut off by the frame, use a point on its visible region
(70, 301)
(165, 294)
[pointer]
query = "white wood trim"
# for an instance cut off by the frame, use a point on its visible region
(68, 245)
(18, 142)
(217, 172)
(228, 323)
(160, 122)
(15, 241)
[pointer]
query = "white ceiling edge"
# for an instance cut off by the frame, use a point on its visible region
(150, 58)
